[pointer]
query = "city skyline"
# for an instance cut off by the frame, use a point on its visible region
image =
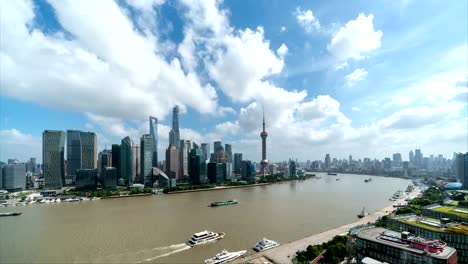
(361, 101)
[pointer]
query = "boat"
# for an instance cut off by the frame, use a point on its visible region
(228, 202)
(368, 180)
(337, 179)
(265, 244)
(58, 200)
(9, 214)
(204, 237)
(332, 173)
(363, 213)
(225, 256)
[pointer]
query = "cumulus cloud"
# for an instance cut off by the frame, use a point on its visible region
(306, 19)
(356, 76)
(106, 67)
(356, 39)
(282, 50)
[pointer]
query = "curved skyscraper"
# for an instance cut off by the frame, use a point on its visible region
(174, 136)
(154, 137)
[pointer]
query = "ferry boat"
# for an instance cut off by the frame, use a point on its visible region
(9, 214)
(363, 213)
(204, 237)
(368, 180)
(265, 244)
(225, 256)
(332, 173)
(228, 202)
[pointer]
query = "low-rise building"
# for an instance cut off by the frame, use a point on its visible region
(454, 213)
(394, 247)
(109, 178)
(86, 179)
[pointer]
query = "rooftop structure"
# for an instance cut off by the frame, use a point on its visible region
(395, 247)
(455, 213)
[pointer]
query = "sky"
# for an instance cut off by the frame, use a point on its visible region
(366, 78)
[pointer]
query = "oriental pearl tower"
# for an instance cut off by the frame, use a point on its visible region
(264, 161)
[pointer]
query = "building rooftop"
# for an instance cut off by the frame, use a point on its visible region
(432, 224)
(434, 248)
(455, 210)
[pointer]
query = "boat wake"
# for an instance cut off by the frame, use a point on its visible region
(144, 255)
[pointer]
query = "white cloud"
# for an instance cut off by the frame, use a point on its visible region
(356, 76)
(306, 19)
(283, 29)
(356, 39)
(356, 109)
(16, 144)
(282, 50)
(106, 68)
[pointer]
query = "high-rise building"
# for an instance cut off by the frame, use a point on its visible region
(126, 161)
(73, 154)
(228, 152)
(184, 151)
(14, 177)
(327, 161)
(217, 145)
(264, 161)
(136, 163)
(237, 163)
(293, 168)
(397, 158)
(154, 140)
(116, 149)
(146, 156)
(53, 150)
(248, 170)
(197, 167)
(461, 168)
(205, 148)
(418, 158)
(216, 172)
(109, 178)
(174, 136)
(219, 154)
(227, 171)
(411, 157)
(32, 165)
(86, 179)
(88, 150)
(1, 176)
(172, 162)
(104, 160)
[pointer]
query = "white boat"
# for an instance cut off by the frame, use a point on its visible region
(84, 199)
(265, 244)
(204, 237)
(225, 256)
(47, 201)
(58, 200)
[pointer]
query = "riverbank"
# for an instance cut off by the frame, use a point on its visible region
(286, 252)
(124, 196)
(217, 188)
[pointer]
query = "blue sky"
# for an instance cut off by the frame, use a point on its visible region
(367, 78)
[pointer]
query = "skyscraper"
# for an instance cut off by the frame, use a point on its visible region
(14, 177)
(228, 152)
(461, 168)
(327, 161)
(53, 150)
(174, 136)
(205, 148)
(104, 160)
(126, 160)
(184, 151)
(88, 150)
(146, 157)
(411, 157)
(154, 138)
(136, 163)
(172, 164)
(73, 154)
(197, 167)
(116, 149)
(237, 163)
(418, 157)
(32, 165)
(264, 161)
(217, 145)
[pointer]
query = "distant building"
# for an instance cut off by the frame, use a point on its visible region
(394, 247)
(217, 145)
(146, 157)
(418, 158)
(327, 161)
(219, 154)
(411, 157)
(86, 179)
(53, 150)
(293, 168)
(461, 168)
(216, 172)
(237, 163)
(248, 170)
(205, 148)
(104, 160)
(126, 162)
(136, 163)
(183, 158)
(273, 168)
(174, 136)
(116, 149)
(162, 179)
(228, 152)
(88, 150)
(1, 177)
(172, 162)
(32, 165)
(14, 177)
(154, 140)
(109, 178)
(197, 167)
(228, 171)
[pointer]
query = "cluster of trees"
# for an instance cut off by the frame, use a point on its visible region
(138, 191)
(335, 251)
(91, 193)
(279, 177)
(432, 195)
(188, 187)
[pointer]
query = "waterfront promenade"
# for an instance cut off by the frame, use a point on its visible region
(285, 252)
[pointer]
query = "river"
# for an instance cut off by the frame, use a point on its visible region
(153, 229)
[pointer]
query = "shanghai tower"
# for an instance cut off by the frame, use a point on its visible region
(154, 138)
(174, 136)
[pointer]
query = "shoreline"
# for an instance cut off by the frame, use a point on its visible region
(221, 188)
(285, 252)
(124, 196)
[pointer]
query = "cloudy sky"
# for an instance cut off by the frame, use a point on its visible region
(367, 78)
